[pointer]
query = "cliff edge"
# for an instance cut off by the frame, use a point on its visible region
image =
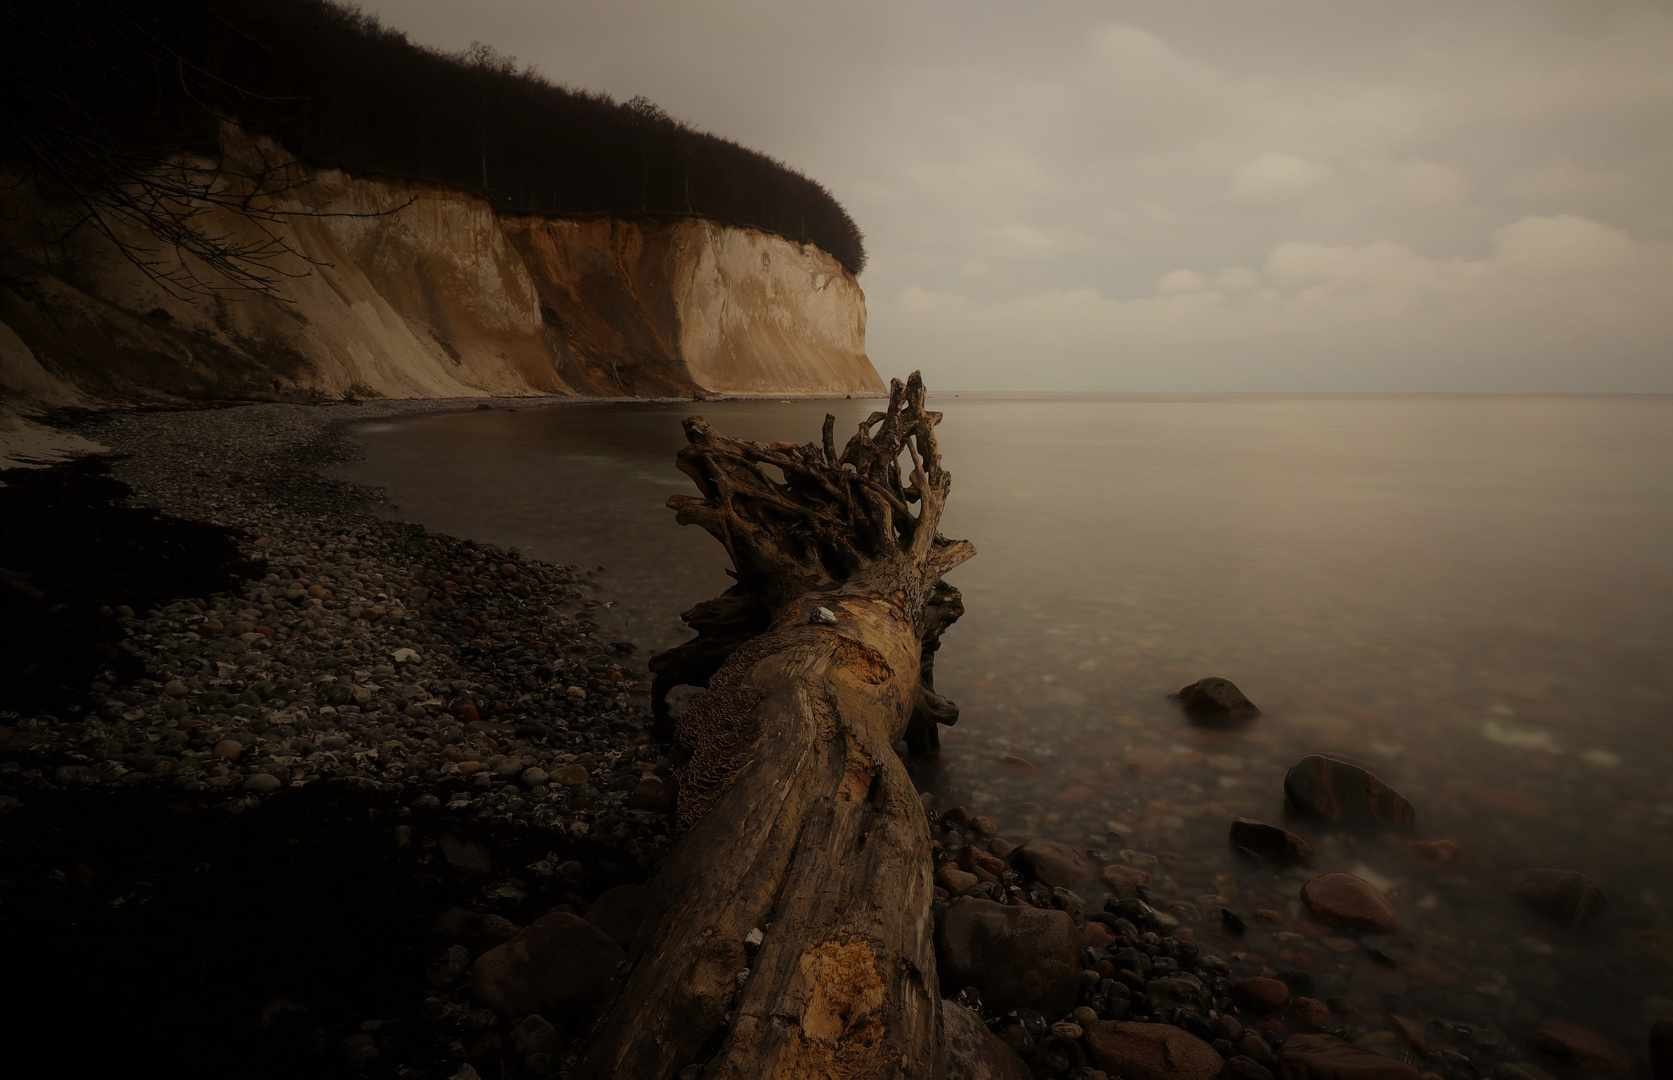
(389, 288)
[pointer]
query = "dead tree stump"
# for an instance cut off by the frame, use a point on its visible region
(798, 816)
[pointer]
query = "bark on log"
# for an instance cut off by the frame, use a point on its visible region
(799, 816)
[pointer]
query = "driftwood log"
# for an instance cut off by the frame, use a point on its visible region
(798, 816)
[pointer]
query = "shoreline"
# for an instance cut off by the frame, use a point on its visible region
(447, 711)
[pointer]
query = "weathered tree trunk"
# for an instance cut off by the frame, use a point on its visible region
(801, 820)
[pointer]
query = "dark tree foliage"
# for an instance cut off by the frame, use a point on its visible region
(92, 89)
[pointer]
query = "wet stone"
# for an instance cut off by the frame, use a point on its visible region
(1566, 898)
(1214, 700)
(1338, 793)
(1017, 957)
(1581, 1049)
(1269, 841)
(1055, 864)
(1137, 1051)
(1349, 902)
(1325, 1057)
(1262, 994)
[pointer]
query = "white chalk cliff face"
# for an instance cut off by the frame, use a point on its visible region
(401, 289)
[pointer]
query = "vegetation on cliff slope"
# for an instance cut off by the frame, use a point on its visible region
(95, 92)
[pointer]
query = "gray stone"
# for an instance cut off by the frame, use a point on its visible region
(1018, 957)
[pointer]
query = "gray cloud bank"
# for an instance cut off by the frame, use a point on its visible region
(1200, 195)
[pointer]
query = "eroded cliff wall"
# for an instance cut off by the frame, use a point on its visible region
(395, 289)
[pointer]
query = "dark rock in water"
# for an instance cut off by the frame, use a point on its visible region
(1215, 700)
(1151, 1052)
(557, 967)
(1575, 1046)
(1261, 994)
(975, 1053)
(1325, 1057)
(618, 913)
(1564, 897)
(1056, 864)
(1241, 1067)
(1661, 1050)
(1338, 793)
(1123, 880)
(1018, 957)
(1269, 841)
(1254, 1047)
(1350, 902)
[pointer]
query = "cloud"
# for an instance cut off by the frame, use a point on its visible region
(1555, 288)
(1562, 246)
(1274, 174)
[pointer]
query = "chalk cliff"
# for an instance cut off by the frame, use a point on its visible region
(401, 289)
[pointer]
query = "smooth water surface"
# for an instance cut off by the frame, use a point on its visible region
(1472, 596)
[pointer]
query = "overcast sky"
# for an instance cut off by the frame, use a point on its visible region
(1191, 194)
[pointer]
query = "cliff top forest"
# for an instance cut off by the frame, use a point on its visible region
(94, 91)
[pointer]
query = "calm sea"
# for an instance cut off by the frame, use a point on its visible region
(1471, 595)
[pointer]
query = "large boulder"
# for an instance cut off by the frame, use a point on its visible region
(1590, 1053)
(973, 1052)
(1348, 902)
(1214, 701)
(618, 912)
(557, 967)
(1136, 1051)
(1338, 793)
(1564, 897)
(1269, 841)
(1056, 864)
(1325, 1057)
(1018, 957)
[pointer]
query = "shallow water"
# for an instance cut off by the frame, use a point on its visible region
(1472, 596)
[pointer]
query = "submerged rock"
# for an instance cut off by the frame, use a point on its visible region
(1214, 700)
(1137, 1051)
(1575, 1046)
(1566, 898)
(1017, 957)
(1338, 793)
(1349, 902)
(1325, 1057)
(1055, 864)
(1269, 841)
